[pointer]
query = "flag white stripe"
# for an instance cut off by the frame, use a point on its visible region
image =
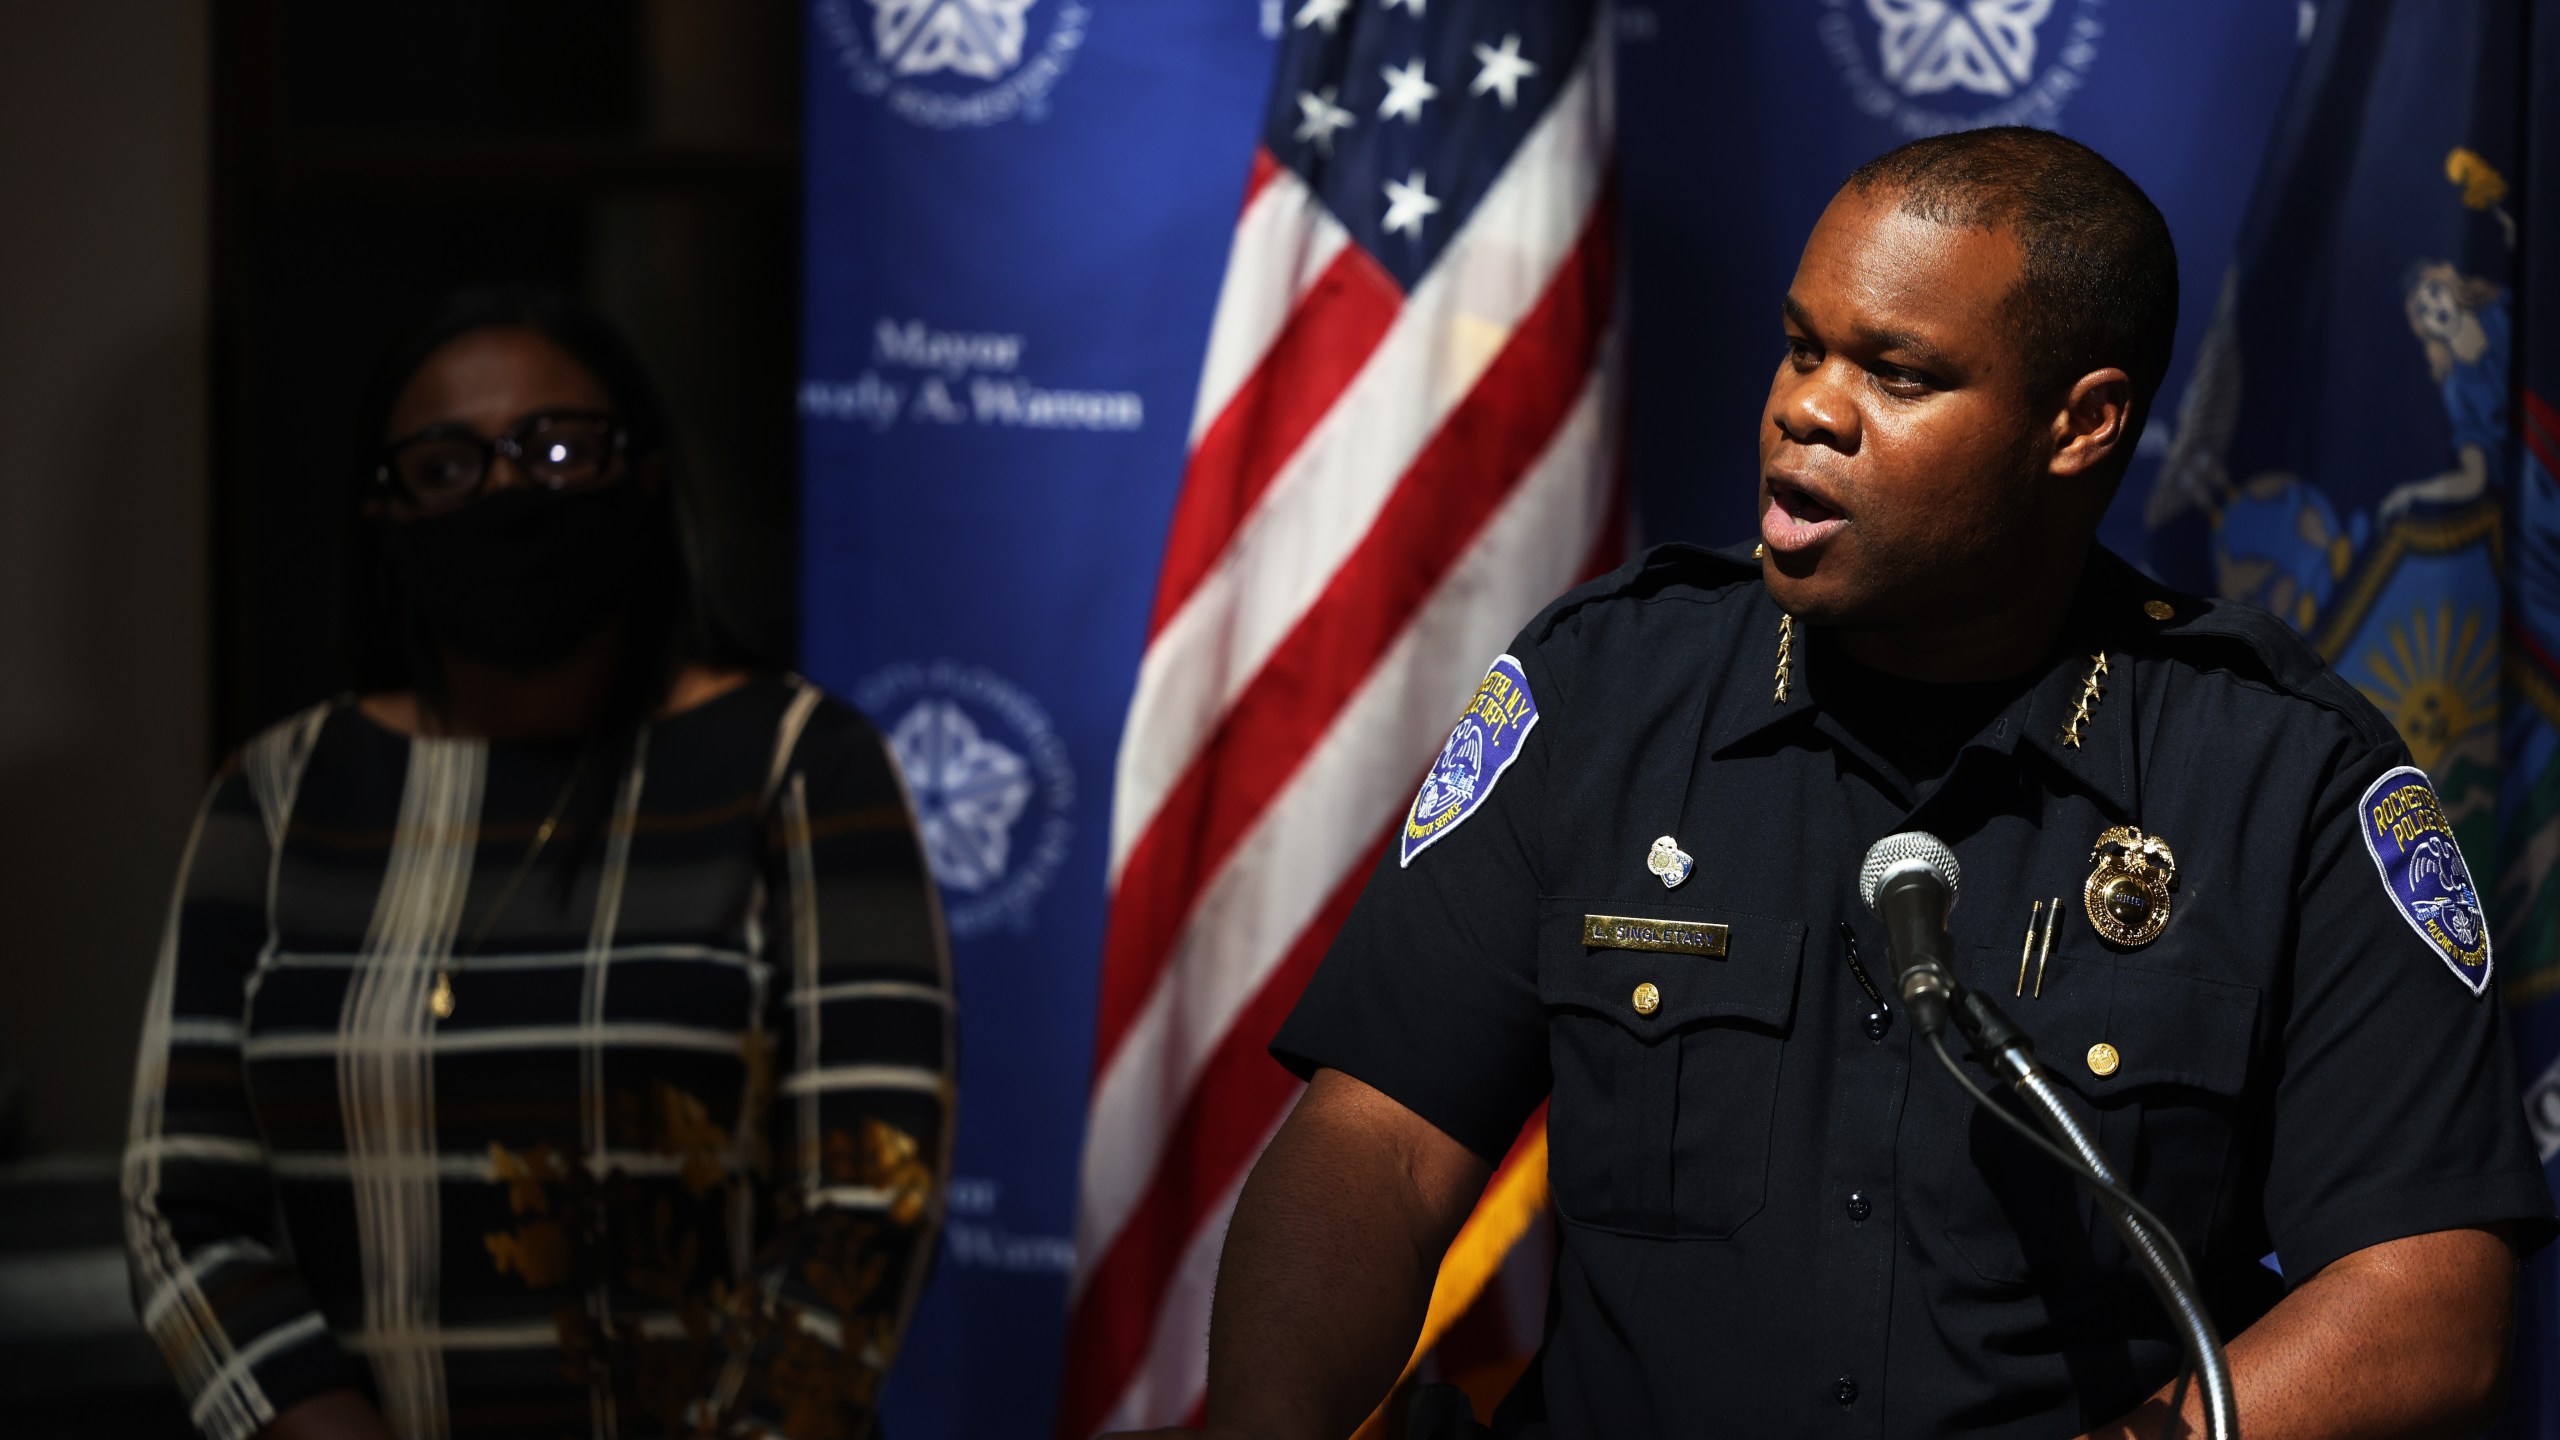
(1174, 1373)
(1322, 822)
(1284, 241)
(1325, 498)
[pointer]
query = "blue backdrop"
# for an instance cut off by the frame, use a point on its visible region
(1018, 213)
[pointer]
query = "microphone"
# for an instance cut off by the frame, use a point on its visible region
(1909, 880)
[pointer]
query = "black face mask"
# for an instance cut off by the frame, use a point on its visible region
(520, 578)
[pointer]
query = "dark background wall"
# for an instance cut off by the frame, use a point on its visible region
(104, 654)
(218, 214)
(641, 153)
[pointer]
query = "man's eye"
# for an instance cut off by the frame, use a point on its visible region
(1801, 352)
(1906, 383)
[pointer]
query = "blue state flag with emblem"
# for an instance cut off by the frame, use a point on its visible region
(2365, 447)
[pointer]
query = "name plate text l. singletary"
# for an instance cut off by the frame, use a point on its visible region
(1628, 932)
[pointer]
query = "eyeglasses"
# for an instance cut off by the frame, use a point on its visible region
(446, 466)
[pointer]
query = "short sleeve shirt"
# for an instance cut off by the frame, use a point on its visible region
(1776, 1214)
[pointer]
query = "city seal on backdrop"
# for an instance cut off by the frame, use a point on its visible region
(993, 789)
(954, 64)
(1928, 67)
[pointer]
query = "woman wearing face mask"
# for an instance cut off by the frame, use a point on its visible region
(553, 1039)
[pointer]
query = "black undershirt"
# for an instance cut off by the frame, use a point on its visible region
(1917, 727)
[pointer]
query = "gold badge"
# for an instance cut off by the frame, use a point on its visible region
(1628, 932)
(2128, 893)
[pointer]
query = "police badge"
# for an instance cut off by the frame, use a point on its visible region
(2128, 893)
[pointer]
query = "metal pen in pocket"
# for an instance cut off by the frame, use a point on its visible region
(2028, 950)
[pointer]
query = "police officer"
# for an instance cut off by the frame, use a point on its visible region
(2198, 868)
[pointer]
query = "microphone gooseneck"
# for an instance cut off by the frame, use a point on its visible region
(1910, 881)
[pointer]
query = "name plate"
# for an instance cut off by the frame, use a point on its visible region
(1628, 932)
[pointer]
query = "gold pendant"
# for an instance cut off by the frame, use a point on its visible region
(2128, 893)
(441, 1002)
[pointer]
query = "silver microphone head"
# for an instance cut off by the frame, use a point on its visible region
(1910, 850)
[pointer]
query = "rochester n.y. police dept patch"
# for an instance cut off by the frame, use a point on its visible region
(2422, 869)
(1485, 743)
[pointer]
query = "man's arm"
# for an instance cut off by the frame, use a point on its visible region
(1329, 1263)
(2404, 1339)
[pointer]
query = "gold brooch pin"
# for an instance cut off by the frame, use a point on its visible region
(1786, 653)
(2127, 894)
(2091, 692)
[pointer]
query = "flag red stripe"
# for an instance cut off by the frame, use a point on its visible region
(1265, 170)
(1232, 1106)
(2542, 431)
(1457, 483)
(2528, 648)
(1313, 359)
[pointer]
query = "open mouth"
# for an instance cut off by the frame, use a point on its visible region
(1795, 521)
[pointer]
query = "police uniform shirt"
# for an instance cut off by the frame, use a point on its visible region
(1777, 1214)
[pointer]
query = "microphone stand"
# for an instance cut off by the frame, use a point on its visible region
(2012, 1056)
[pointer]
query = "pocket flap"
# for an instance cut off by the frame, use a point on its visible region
(1601, 967)
(2170, 1029)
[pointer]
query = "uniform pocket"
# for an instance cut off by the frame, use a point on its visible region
(2154, 1061)
(1666, 1063)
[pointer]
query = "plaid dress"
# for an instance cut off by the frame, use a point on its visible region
(673, 1163)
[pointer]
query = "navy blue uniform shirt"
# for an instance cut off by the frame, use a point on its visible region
(1779, 1217)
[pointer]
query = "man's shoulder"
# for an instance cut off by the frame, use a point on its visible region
(1612, 607)
(2235, 654)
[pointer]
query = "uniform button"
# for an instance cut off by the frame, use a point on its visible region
(1845, 1390)
(2103, 1059)
(1878, 1022)
(1647, 998)
(1859, 1207)
(2159, 609)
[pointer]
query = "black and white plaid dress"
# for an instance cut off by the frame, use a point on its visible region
(673, 1164)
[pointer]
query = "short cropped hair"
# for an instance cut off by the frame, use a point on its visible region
(2100, 286)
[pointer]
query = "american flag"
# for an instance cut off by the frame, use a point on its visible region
(1405, 443)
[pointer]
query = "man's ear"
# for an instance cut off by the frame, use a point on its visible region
(2094, 422)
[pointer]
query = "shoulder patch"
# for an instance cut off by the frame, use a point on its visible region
(2412, 844)
(1485, 743)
